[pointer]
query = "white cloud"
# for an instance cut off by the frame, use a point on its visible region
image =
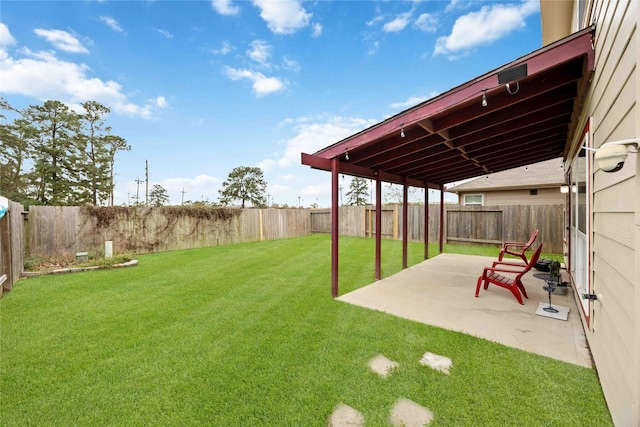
(410, 102)
(161, 102)
(426, 22)
(195, 189)
(374, 48)
(260, 52)
(262, 85)
(165, 33)
(267, 165)
(291, 64)
(311, 137)
(225, 7)
(6, 39)
(317, 30)
(453, 5)
(112, 23)
(283, 17)
(43, 76)
(225, 49)
(375, 20)
(398, 24)
(315, 191)
(485, 26)
(62, 40)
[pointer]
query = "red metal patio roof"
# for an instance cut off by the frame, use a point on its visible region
(453, 137)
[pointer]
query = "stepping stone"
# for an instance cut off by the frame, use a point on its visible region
(382, 366)
(346, 416)
(434, 361)
(407, 413)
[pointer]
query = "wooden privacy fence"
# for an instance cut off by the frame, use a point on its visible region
(360, 221)
(63, 231)
(490, 225)
(11, 246)
(507, 223)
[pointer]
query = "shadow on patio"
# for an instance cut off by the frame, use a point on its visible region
(440, 292)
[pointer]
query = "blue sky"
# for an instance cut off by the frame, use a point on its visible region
(200, 87)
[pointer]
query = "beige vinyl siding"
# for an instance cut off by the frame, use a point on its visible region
(545, 196)
(612, 103)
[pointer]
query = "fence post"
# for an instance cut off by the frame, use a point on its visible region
(5, 252)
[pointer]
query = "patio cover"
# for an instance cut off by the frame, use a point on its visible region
(529, 116)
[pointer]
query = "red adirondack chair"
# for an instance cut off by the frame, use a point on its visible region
(517, 248)
(495, 275)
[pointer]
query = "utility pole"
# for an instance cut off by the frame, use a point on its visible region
(146, 175)
(138, 181)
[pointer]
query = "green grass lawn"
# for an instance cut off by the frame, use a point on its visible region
(248, 335)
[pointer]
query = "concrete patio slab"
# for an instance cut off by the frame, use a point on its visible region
(440, 292)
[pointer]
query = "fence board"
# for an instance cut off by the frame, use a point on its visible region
(61, 232)
(11, 246)
(490, 225)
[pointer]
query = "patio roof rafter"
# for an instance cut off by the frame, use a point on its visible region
(453, 136)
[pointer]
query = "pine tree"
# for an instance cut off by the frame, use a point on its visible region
(56, 152)
(358, 192)
(158, 196)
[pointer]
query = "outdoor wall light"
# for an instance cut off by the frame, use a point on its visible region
(564, 189)
(513, 91)
(484, 98)
(402, 132)
(610, 156)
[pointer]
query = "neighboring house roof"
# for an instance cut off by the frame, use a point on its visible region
(549, 173)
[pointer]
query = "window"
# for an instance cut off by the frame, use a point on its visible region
(533, 192)
(472, 199)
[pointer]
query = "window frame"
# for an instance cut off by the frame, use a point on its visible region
(464, 199)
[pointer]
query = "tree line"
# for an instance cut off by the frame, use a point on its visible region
(53, 155)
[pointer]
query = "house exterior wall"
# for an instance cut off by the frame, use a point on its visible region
(611, 110)
(545, 196)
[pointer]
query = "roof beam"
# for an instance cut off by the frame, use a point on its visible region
(317, 162)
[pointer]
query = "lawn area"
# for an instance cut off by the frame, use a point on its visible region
(248, 335)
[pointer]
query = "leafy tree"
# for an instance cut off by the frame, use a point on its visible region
(93, 142)
(14, 152)
(245, 184)
(358, 192)
(158, 196)
(53, 155)
(56, 152)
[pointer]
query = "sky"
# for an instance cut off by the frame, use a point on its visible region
(198, 88)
